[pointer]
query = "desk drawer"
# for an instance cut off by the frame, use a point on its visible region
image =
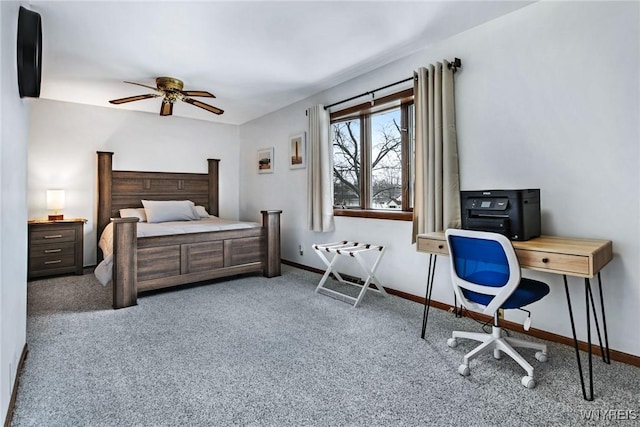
(538, 260)
(433, 246)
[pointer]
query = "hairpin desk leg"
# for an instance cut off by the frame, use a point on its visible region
(589, 303)
(604, 353)
(587, 291)
(427, 298)
(575, 339)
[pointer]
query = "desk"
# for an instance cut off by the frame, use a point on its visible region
(582, 258)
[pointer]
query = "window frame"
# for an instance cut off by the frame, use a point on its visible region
(404, 100)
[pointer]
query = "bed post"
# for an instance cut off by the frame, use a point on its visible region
(125, 259)
(105, 166)
(271, 224)
(214, 201)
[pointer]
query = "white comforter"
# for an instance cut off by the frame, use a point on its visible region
(103, 271)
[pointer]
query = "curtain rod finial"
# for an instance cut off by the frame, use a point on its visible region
(457, 63)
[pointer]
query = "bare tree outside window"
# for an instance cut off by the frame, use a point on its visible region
(386, 160)
(385, 165)
(346, 163)
(373, 158)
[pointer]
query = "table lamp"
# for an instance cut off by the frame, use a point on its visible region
(55, 202)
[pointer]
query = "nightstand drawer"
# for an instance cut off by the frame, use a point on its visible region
(52, 249)
(53, 257)
(50, 235)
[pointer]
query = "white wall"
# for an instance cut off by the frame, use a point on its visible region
(14, 120)
(547, 97)
(65, 137)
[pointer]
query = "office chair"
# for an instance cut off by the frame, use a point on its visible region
(486, 273)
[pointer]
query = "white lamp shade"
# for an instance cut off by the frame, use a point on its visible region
(55, 199)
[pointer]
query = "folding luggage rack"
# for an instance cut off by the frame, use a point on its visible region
(354, 250)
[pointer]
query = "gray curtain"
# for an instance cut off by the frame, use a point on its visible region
(436, 203)
(320, 171)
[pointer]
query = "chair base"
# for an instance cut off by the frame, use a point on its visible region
(499, 344)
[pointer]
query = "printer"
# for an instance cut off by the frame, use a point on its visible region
(513, 213)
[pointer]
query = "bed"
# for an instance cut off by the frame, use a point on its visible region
(151, 261)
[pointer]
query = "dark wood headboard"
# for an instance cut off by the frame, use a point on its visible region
(126, 189)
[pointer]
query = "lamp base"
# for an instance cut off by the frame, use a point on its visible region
(56, 217)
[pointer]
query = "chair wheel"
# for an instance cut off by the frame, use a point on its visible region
(464, 370)
(528, 382)
(541, 357)
(497, 354)
(452, 342)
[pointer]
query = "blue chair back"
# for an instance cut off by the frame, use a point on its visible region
(479, 261)
(484, 268)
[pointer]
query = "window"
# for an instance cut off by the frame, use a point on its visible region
(372, 158)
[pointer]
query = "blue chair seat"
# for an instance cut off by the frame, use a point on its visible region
(527, 292)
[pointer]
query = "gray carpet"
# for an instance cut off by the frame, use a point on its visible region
(271, 352)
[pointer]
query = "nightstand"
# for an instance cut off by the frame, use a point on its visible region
(55, 247)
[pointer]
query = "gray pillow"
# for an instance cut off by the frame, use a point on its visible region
(169, 210)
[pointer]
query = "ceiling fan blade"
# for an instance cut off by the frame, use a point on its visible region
(202, 93)
(140, 84)
(202, 105)
(134, 98)
(166, 109)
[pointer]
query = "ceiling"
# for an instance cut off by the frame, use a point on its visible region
(256, 57)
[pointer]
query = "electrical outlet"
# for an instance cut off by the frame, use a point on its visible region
(300, 249)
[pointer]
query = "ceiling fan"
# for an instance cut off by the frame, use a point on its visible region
(170, 89)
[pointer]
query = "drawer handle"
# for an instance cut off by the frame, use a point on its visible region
(440, 246)
(53, 236)
(545, 260)
(52, 251)
(57, 261)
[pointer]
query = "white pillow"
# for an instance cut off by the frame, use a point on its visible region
(170, 210)
(134, 213)
(201, 211)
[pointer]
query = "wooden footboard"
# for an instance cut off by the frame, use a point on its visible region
(147, 263)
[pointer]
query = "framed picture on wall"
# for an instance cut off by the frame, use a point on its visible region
(265, 160)
(298, 151)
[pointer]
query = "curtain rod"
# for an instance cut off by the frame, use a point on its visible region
(454, 65)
